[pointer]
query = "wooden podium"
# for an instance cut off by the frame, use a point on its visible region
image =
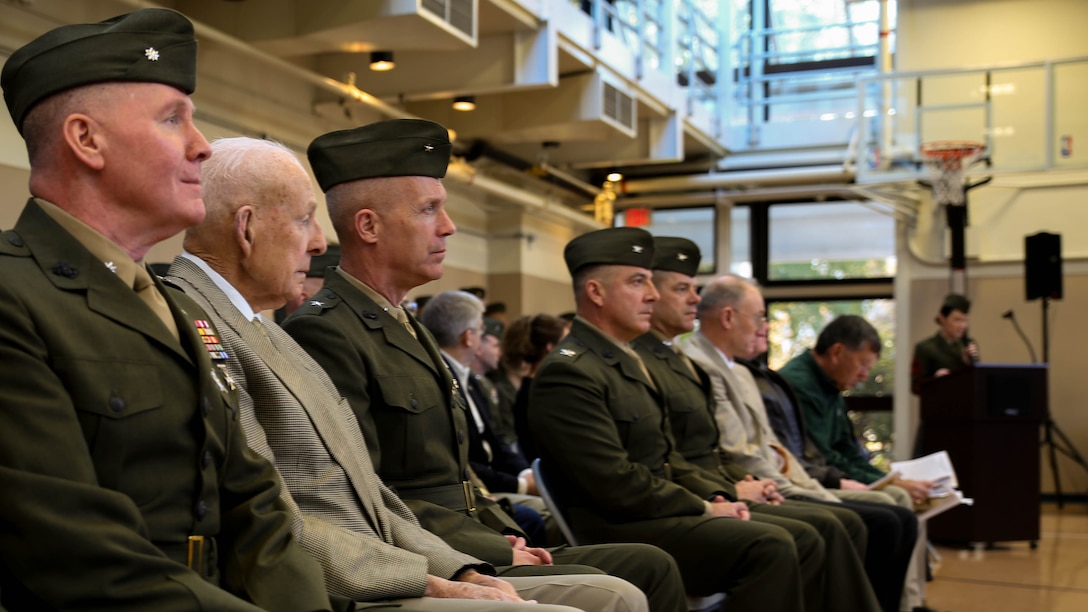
(987, 417)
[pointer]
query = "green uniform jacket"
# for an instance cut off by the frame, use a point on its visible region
(627, 445)
(931, 355)
(613, 464)
(690, 406)
(117, 443)
(412, 416)
(829, 427)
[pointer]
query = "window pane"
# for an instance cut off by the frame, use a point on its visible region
(794, 327)
(840, 240)
(695, 224)
(740, 250)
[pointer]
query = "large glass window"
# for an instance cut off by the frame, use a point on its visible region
(794, 327)
(799, 60)
(695, 224)
(835, 240)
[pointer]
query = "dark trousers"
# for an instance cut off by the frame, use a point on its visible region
(892, 533)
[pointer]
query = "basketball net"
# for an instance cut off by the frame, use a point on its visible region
(948, 161)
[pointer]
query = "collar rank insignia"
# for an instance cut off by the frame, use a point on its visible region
(210, 340)
(636, 248)
(152, 54)
(112, 267)
(316, 303)
(428, 148)
(567, 352)
(681, 257)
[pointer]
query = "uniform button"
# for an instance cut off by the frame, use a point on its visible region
(369, 315)
(607, 354)
(206, 407)
(414, 403)
(468, 474)
(15, 240)
(206, 460)
(201, 510)
(460, 436)
(117, 404)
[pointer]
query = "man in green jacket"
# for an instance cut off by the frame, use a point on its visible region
(845, 351)
(126, 478)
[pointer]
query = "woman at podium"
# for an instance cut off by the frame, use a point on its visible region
(949, 349)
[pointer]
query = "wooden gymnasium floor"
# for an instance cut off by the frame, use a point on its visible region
(1052, 578)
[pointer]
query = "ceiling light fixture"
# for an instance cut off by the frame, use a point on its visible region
(464, 103)
(614, 177)
(381, 61)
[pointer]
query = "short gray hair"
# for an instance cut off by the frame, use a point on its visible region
(448, 314)
(726, 290)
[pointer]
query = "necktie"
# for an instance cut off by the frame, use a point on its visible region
(257, 323)
(687, 360)
(147, 292)
(402, 318)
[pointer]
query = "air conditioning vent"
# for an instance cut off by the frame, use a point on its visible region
(618, 107)
(460, 14)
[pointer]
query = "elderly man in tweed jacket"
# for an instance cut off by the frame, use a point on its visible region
(251, 255)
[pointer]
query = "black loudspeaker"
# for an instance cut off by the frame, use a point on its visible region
(1043, 266)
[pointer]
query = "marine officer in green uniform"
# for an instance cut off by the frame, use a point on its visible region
(387, 204)
(947, 351)
(605, 441)
(126, 478)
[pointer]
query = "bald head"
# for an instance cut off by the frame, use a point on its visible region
(260, 230)
(733, 316)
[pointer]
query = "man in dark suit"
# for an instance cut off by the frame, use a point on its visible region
(455, 319)
(127, 481)
(386, 201)
(249, 256)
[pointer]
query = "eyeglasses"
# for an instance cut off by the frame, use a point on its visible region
(757, 318)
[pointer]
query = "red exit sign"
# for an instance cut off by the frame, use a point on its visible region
(637, 217)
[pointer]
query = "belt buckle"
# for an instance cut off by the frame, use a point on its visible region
(197, 542)
(469, 497)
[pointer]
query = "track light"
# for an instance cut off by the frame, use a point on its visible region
(464, 103)
(614, 177)
(381, 61)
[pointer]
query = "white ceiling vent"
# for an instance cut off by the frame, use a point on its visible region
(618, 106)
(459, 14)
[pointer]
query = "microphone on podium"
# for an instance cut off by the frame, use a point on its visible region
(1012, 317)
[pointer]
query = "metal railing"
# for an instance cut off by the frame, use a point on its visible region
(651, 28)
(1026, 114)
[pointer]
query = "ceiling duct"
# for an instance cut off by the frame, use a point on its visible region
(460, 14)
(591, 106)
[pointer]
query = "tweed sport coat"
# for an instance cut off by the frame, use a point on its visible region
(117, 442)
(746, 434)
(368, 541)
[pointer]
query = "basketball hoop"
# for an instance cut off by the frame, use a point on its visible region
(948, 161)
